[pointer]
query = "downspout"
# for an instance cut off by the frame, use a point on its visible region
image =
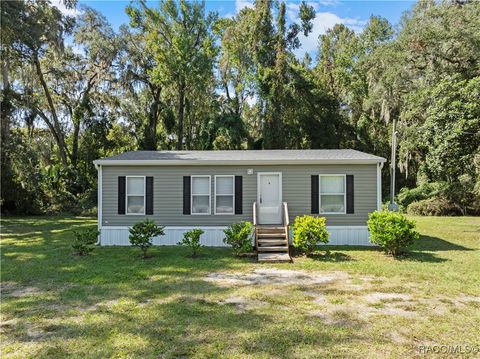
(99, 202)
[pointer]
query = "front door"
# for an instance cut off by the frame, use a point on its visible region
(269, 198)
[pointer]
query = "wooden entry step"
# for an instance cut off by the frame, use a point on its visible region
(274, 257)
(272, 243)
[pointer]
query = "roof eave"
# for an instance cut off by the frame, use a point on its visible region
(106, 162)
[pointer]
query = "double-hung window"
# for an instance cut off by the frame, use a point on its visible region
(200, 194)
(135, 195)
(224, 194)
(332, 194)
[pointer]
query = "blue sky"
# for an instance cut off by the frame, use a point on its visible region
(353, 14)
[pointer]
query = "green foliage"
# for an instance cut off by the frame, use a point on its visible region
(451, 135)
(191, 239)
(234, 83)
(392, 231)
(84, 241)
(239, 237)
(434, 206)
(309, 232)
(421, 192)
(142, 233)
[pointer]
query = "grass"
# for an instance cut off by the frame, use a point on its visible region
(114, 304)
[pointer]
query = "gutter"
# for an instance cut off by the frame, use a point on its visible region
(235, 162)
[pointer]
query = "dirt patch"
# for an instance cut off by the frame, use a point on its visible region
(382, 297)
(275, 276)
(8, 325)
(14, 290)
(243, 304)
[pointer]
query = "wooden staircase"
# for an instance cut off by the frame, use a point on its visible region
(271, 241)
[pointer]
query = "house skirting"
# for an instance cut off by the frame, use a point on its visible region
(213, 236)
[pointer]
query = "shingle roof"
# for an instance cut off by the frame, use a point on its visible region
(241, 156)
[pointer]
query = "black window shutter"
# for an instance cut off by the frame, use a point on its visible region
(350, 191)
(186, 194)
(149, 195)
(314, 193)
(121, 195)
(238, 194)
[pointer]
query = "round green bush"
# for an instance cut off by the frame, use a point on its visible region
(239, 237)
(308, 232)
(392, 231)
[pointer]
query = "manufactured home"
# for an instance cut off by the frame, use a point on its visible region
(182, 190)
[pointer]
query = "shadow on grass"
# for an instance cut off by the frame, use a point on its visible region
(414, 256)
(435, 244)
(331, 257)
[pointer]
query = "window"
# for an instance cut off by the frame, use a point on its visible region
(135, 195)
(201, 194)
(332, 194)
(224, 194)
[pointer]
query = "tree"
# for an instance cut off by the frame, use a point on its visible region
(451, 133)
(184, 55)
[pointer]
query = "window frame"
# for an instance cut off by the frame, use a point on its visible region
(332, 194)
(135, 195)
(215, 195)
(209, 195)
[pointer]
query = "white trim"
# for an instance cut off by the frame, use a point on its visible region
(99, 202)
(379, 186)
(280, 187)
(209, 195)
(215, 195)
(235, 162)
(135, 195)
(333, 194)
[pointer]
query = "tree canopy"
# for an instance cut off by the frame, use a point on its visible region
(179, 77)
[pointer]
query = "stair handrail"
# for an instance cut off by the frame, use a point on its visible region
(255, 225)
(286, 220)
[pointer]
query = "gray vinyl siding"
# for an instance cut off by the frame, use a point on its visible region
(168, 192)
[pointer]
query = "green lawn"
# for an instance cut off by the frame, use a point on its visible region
(354, 303)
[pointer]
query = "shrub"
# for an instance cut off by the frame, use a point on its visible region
(436, 206)
(421, 192)
(308, 232)
(392, 231)
(141, 234)
(239, 236)
(191, 239)
(84, 241)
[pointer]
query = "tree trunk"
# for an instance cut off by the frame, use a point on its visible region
(76, 132)
(55, 127)
(151, 133)
(6, 105)
(181, 114)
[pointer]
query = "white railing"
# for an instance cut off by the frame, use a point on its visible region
(255, 225)
(286, 219)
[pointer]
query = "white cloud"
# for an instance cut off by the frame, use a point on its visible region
(240, 4)
(322, 22)
(64, 10)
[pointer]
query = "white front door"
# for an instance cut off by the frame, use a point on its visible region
(269, 198)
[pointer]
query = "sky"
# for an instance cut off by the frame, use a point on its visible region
(352, 13)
